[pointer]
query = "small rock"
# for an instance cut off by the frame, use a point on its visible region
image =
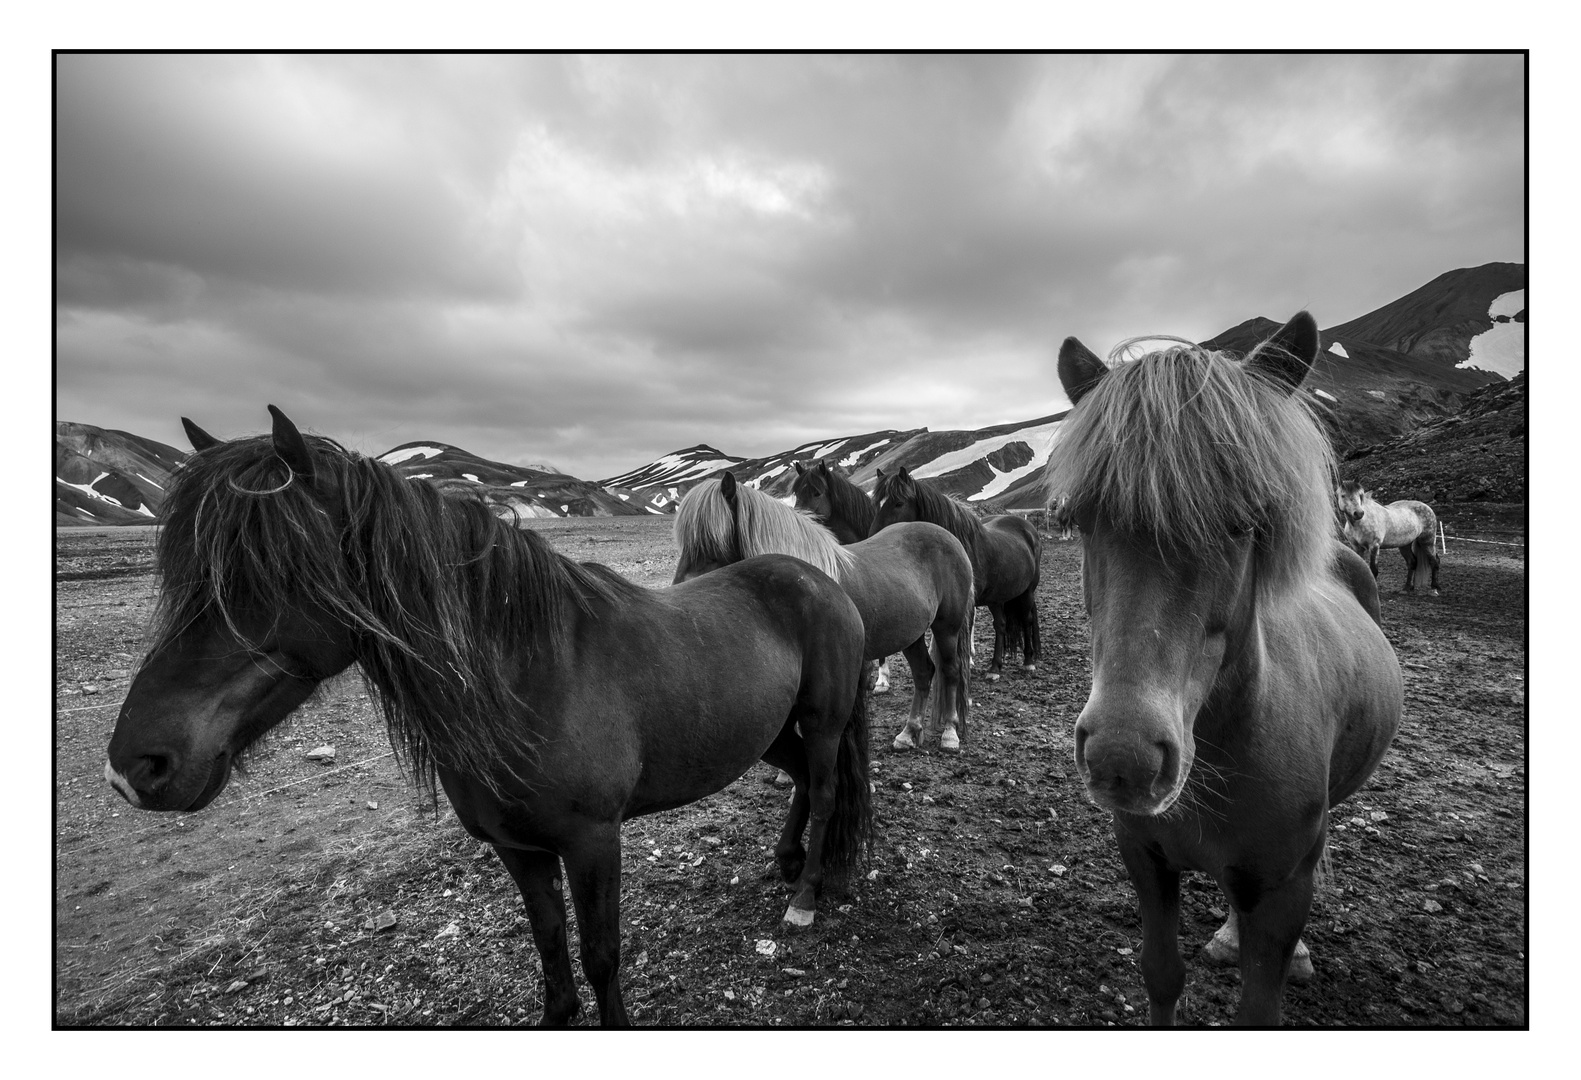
(321, 753)
(238, 985)
(1057, 870)
(1432, 907)
(767, 947)
(1123, 952)
(1109, 1015)
(735, 881)
(872, 875)
(730, 995)
(384, 920)
(794, 973)
(642, 959)
(983, 1003)
(89, 688)
(117, 673)
(1378, 815)
(451, 931)
(372, 805)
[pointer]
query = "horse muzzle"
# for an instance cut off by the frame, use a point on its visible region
(1129, 764)
(162, 781)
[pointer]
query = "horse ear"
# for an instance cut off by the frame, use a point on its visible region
(878, 474)
(800, 468)
(201, 440)
(727, 485)
(1079, 369)
(1287, 356)
(290, 445)
(823, 467)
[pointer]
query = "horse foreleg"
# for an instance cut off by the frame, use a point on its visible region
(881, 677)
(592, 867)
(1269, 934)
(537, 875)
(997, 663)
(1372, 560)
(1158, 896)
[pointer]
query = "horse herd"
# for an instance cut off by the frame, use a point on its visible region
(1241, 683)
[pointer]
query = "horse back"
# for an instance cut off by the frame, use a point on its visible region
(905, 578)
(1406, 520)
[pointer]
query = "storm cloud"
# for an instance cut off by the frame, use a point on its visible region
(595, 260)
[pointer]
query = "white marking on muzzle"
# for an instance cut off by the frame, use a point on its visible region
(121, 784)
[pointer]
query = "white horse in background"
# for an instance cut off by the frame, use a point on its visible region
(1408, 525)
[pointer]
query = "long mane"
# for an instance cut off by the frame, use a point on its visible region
(847, 502)
(1187, 445)
(444, 599)
(762, 525)
(939, 508)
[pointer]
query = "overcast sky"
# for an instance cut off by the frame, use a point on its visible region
(594, 261)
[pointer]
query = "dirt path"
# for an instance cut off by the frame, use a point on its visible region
(995, 896)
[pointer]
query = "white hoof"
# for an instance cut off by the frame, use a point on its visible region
(798, 917)
(904, 740)
(1225, 945)
(992, 676)
(950, 740)
(1301, 964)
(1029, 667)
(783, 779)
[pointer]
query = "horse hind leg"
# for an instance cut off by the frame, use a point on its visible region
(949, 716)
(788, 754)
(912, 734)
(537, 875)
(997, 663)
(881, 677)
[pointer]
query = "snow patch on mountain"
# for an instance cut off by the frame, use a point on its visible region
(1039, 439)
(395, 457)
(1338, 350)
(1502, 348)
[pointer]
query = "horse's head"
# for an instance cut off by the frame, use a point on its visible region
(1170, 573)
(896, 498)
(708, 528)
(246, 634)
(1352, 499)
(811, 489)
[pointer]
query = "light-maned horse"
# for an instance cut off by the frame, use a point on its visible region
(905, 582)
(551, 700)
(1241, 685)
(1006, 552)
(1411, 526)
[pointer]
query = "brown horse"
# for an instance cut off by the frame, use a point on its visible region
(1006, 551)
(551, 700)
(1241, 685)
(904, 581)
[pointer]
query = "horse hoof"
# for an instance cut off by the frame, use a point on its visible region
(904, 741)
(1301, 965)
(1029, 667)
(950, 741)
(992, 676)
(1224, 948)
(800, 918)
(1433, 593)
(783, 779)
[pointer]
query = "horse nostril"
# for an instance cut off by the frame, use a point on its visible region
(152, 772)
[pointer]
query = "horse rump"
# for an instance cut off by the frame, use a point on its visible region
(851, 824)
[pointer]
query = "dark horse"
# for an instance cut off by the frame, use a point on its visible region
(905, 581)
(552, 700)
(1241, 685)
(1006, 551)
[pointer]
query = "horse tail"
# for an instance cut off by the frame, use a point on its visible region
(851, 824)
(1424, 549)
(963, 655)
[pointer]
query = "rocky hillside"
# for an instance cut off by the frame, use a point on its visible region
(528, 491)
(1470, 467)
